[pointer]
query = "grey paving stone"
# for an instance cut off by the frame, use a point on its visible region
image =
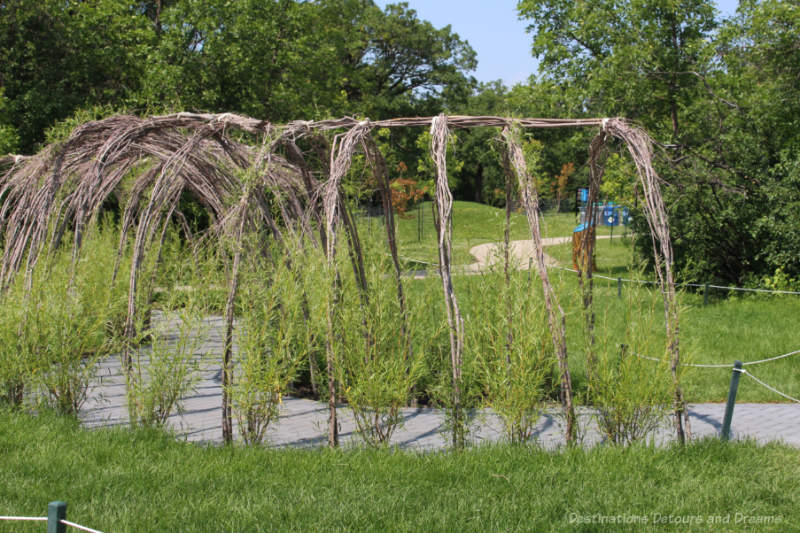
(303, 422)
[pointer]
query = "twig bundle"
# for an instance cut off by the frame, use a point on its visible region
(444, 225)
(529, 197)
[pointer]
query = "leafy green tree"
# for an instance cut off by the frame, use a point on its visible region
(56, 57)
(9, 140)
(721, 99)
(637, 58)
(285, 60)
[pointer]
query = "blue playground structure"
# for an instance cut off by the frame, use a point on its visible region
(605, 213)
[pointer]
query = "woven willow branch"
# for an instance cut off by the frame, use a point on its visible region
(66, 184)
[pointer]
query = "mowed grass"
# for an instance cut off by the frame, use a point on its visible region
(473, 224)
(139, 481)
(613, 257)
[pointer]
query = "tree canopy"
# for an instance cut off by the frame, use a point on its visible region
(279, 59)
(719, 95)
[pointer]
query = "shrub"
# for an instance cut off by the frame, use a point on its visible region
(376, 366)
(632, 394)
(513, 350)
(54, 334)
(274, 340)
(166, 370)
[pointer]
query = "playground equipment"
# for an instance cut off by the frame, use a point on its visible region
(608, 214)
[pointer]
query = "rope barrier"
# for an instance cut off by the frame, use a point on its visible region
(45, 519)
(78, 526)
(767, 360)
(744, 289)
(773, 389)
(57, 512)
(684, 364)
(697, 285)
(643, 281)
(772, 358)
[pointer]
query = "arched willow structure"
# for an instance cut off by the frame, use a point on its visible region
(251, 175)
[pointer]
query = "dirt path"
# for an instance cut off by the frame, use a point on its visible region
(522, 252)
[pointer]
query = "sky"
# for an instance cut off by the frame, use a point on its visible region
(495, 33)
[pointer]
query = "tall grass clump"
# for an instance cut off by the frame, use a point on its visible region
(54, 333)
(17, 365)
(165, 370)
(377, 367)
(274, 340)
(512, 349)
(632, 394)
(165, 353)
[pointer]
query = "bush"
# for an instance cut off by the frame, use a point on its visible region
(376, 365)
(274, 340)
(54, 334)
(511, 344)
(165, 371)
(632, 394)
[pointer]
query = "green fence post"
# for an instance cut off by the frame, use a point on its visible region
(726, 422)
(705, 294)
(619, 287)
(56, 512)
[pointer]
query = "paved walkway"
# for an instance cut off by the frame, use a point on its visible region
(303, 422)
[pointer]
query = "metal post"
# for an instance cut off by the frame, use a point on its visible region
(705, 294)
(56, 512)
(726, 422)
(619, 287)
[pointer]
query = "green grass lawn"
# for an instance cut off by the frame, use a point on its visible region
(613, 257)
(138, 481)
(473, 224)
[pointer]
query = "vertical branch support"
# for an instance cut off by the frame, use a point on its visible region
(443, 220)
(529, 197)
(640, 147)
(341, 155)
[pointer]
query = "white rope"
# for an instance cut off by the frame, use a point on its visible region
(682, 364)
(743, 289)
(78, 526)
(25, 518)
(772, 358)
(767, 360)
(773, 389)
(699, 285)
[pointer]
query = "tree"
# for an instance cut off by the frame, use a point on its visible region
(637, 58)
(56, 57)
(720, 98)
(285, 60)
